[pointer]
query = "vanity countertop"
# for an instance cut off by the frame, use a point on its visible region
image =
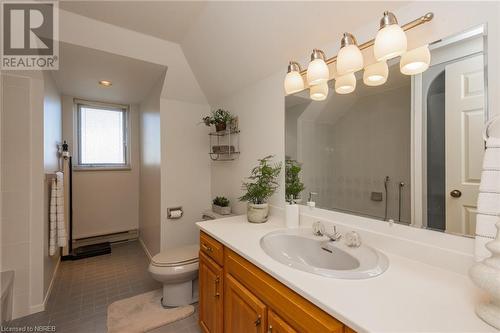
(409, 297)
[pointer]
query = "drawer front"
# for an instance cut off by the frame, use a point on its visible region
(212, 248)
(299, 313)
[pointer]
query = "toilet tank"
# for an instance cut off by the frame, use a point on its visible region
(6, 286)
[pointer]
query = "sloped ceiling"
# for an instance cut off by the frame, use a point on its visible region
(81, 68)
(230, 45)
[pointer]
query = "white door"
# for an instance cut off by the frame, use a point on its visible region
(464, 119)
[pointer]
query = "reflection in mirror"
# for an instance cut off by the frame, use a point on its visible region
(408, 151)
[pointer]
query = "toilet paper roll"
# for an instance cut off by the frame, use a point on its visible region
(175, 214)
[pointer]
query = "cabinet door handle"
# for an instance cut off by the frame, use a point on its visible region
(270, 329)
(257, 321)
(216, 287)
(206, 247)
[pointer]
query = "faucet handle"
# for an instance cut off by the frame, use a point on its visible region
(333, 234)
(352, 239)
(318, 228)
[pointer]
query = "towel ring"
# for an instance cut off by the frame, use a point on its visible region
(487, 126)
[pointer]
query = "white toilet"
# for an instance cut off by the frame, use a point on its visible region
(177, 269)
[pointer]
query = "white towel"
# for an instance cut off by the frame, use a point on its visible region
(57, 227)
(488, 202)
(52, 218)
(491, 159)
(61, 229)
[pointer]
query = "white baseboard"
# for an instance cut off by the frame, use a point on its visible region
(41, 307)
(145, 248)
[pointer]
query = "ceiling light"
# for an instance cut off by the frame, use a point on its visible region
(349, 58)
(376, 74)
(415, 61)
(105, 83)
(317, 71)
(390, 41)
(293, 80)
(345, 84)
(319, 92)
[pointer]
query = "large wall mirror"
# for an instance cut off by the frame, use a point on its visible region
(409, 151)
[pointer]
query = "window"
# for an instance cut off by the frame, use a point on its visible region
(102, 136)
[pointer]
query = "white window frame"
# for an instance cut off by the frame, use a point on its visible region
(126, 134)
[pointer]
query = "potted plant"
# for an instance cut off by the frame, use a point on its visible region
(220, 205)
(219, 118)
(262, 184)
(293, 185)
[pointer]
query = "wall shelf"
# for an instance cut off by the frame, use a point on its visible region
(224, 145)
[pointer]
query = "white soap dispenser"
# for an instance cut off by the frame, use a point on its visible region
(310, 201)
(291, 214)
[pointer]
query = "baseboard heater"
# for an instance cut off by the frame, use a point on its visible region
(97, 245)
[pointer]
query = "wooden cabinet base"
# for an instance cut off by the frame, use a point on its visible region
(253, 301)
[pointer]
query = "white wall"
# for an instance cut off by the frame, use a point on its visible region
(260, 109)
(150, 170)
(261, 105)
(22, 187)
(107, 201)
(52, 132)
(185, 170)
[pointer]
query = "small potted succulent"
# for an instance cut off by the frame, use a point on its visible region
(262, 184)
(220, 205)
(219, 118)
(293, 185)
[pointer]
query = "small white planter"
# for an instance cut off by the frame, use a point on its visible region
(257, 213)
(221, 210)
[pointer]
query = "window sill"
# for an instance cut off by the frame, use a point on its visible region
(101, 168)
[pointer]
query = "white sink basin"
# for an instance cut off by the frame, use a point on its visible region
(300, 249)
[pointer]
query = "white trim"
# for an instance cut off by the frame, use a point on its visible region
(41, 307)
(145, 248)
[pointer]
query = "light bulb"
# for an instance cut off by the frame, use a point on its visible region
(319, 92)
(345, 84)
(415, 61)
(390, 41)
(293, 80)
(317, 71)
(349, 58)
(376, 74)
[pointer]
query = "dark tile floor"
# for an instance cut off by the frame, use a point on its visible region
(83, 289)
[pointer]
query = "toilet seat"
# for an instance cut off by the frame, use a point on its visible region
(179, 256)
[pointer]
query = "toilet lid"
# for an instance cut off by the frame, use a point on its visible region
(177, 256)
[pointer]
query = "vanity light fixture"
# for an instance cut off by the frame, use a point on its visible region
(105, 83)
(415, 61)
(390, 41)
(376, 74)
(349, 58)
(293, 80)
(319, 92)
(345, 84)
(317, 71)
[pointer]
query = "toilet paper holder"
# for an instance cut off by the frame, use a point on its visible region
(174, 213)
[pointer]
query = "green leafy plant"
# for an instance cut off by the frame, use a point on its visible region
(293, 185)
(219, 116)
(263, 181)
(221, 201)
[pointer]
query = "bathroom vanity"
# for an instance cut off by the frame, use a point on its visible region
(243, 289)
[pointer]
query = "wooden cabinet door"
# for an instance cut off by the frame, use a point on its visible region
(276, 324)
(243, 311)
(211, 298)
